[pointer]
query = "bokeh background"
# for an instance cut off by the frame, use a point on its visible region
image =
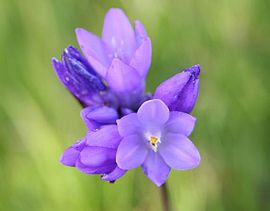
(39, 118)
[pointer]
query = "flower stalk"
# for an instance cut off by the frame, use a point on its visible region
(165, 198)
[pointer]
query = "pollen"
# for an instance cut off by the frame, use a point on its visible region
(153, 140)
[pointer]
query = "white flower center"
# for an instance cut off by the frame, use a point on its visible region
(153, 141)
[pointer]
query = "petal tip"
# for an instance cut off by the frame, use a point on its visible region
(155, 101)
(194, 71)
(63, 161)
(80, 33)
(79, 30)
(139, 27)
(71, 49)
(115, 11)
(54, 61)
(196, 161)
(137, 22)
(57, 66)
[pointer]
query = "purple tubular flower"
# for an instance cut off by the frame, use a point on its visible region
(122, 56)
(95, 154)
(180, 92)
(80, 79)
(156, 139)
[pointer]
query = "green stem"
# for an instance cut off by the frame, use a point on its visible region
(165, 198)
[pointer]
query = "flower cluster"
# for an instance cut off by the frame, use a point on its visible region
(126, 127)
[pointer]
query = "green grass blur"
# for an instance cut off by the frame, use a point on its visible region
(38, 117)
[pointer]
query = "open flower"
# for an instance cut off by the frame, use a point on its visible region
(122, 56)
(157, 139)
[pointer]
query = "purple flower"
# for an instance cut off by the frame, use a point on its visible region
(95, 154)
(180, 92)
(156, 139)
(122, 56)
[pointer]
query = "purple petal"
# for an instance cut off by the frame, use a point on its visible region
(69, 157)
(121, 77)
(126, 111)
(155, 168)
(114, 175)
(142, 58)
(179, 152)
(125, 82)
(92, 125)
(71, 83)
(128, 125)
(140, 32)
(107, 136)
(96, 116)
(119, 35)
(153, 112)
(78, 65)
(131, 152)
(104, 115)
(180, 122)
(71, 154)
(85, 169)
(105, 169)
(80, 78)
(97, 157)
(94, 49)
(180, 92)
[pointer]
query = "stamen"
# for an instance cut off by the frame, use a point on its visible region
(154, 141)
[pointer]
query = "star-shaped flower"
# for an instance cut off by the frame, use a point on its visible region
(156, 139)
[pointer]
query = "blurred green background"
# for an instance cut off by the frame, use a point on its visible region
(38, 117)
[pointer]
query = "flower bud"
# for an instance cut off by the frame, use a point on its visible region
(180, 92)
(79, 78)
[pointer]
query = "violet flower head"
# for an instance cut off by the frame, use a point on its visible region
(156, 139)
(180, 92)
(127, 128)
(122, 56)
